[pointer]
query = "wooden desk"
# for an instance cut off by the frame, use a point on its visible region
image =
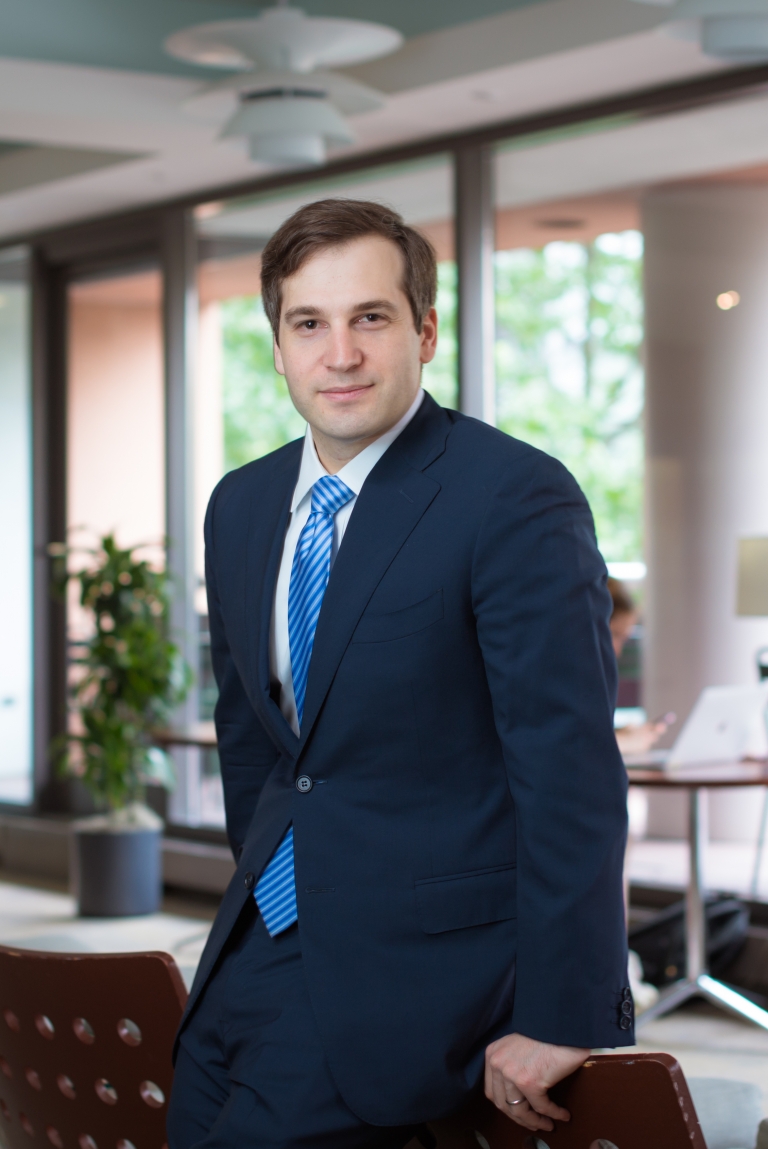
(698, 982)
(202, 734)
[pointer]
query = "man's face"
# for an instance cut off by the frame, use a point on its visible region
(348, 346)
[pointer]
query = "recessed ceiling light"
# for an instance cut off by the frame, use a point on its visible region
(208, 210)
(728, 300)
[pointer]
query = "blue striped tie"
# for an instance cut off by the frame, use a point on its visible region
(275, 891)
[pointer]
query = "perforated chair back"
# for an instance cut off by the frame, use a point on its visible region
(622, 1101)
(85, 1048)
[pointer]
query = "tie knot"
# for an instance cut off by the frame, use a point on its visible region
(329, 495)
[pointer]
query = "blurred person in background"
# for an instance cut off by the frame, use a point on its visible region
(641, 737)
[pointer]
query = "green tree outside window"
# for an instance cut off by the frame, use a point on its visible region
(569, 323)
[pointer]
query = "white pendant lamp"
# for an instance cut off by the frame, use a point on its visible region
(288, 125)
(734, 30)
(288, 109)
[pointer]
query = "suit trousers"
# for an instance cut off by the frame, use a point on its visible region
(251, 1071)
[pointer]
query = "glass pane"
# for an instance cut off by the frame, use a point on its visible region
(115, 423)
(115, 409)
(243, 407)
(569, 332)
(15, 530)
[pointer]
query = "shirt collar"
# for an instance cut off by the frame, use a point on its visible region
(356, 470)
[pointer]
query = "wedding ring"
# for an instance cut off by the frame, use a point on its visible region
(517, 1101)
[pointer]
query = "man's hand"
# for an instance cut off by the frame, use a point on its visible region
(518, 1073)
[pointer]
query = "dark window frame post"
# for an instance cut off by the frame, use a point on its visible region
(475, 320)
(49, 521)
(180, 311)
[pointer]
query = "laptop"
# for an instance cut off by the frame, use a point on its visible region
(726, 724)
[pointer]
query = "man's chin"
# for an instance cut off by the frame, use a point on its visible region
(356, 421)
(349, 430)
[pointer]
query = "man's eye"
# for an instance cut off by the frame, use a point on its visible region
(310, 324)
(372, 317)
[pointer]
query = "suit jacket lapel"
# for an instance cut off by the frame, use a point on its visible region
(393, 499)
(268, 520)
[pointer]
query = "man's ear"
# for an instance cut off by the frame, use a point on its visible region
(428, 335)
(278, 357)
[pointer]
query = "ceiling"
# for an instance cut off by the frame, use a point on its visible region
(130, 33)
(718, 138)
(93, 120)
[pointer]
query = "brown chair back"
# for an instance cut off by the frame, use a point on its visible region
(621, 1101)
(85, 1048)
(85, 1063)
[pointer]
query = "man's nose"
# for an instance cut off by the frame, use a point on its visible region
(342, 351)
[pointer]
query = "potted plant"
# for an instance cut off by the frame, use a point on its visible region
(127, 678)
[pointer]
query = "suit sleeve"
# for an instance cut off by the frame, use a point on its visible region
(246, 752)
(542, 610)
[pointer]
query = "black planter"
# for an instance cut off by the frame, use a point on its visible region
(116, 874)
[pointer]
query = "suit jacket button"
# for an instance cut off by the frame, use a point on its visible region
(625, 1022)
(626, 1008)
(304, 784)
(249, 881)
(626, 994)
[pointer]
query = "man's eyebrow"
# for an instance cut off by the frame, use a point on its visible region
(376, 305)
(302, 309)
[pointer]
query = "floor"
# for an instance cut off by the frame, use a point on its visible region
(45, 919)
(706, 1042)
(709, 1043)
(727, 865)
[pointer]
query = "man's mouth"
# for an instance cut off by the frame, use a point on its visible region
(346, 394)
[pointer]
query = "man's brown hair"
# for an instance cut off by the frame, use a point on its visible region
(332, 223)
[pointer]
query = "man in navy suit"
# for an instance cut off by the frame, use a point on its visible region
(409, 627)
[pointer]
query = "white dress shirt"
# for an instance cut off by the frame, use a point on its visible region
(354, 475)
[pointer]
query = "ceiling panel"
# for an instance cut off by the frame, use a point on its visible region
(657, 150)
(26, 165)
(122, 34)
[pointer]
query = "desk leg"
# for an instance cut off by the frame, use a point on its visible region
(698, 982)
(695, 920)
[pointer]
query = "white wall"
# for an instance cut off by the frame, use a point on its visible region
(707, 455)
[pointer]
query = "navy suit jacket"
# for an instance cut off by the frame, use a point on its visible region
(459, 855)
